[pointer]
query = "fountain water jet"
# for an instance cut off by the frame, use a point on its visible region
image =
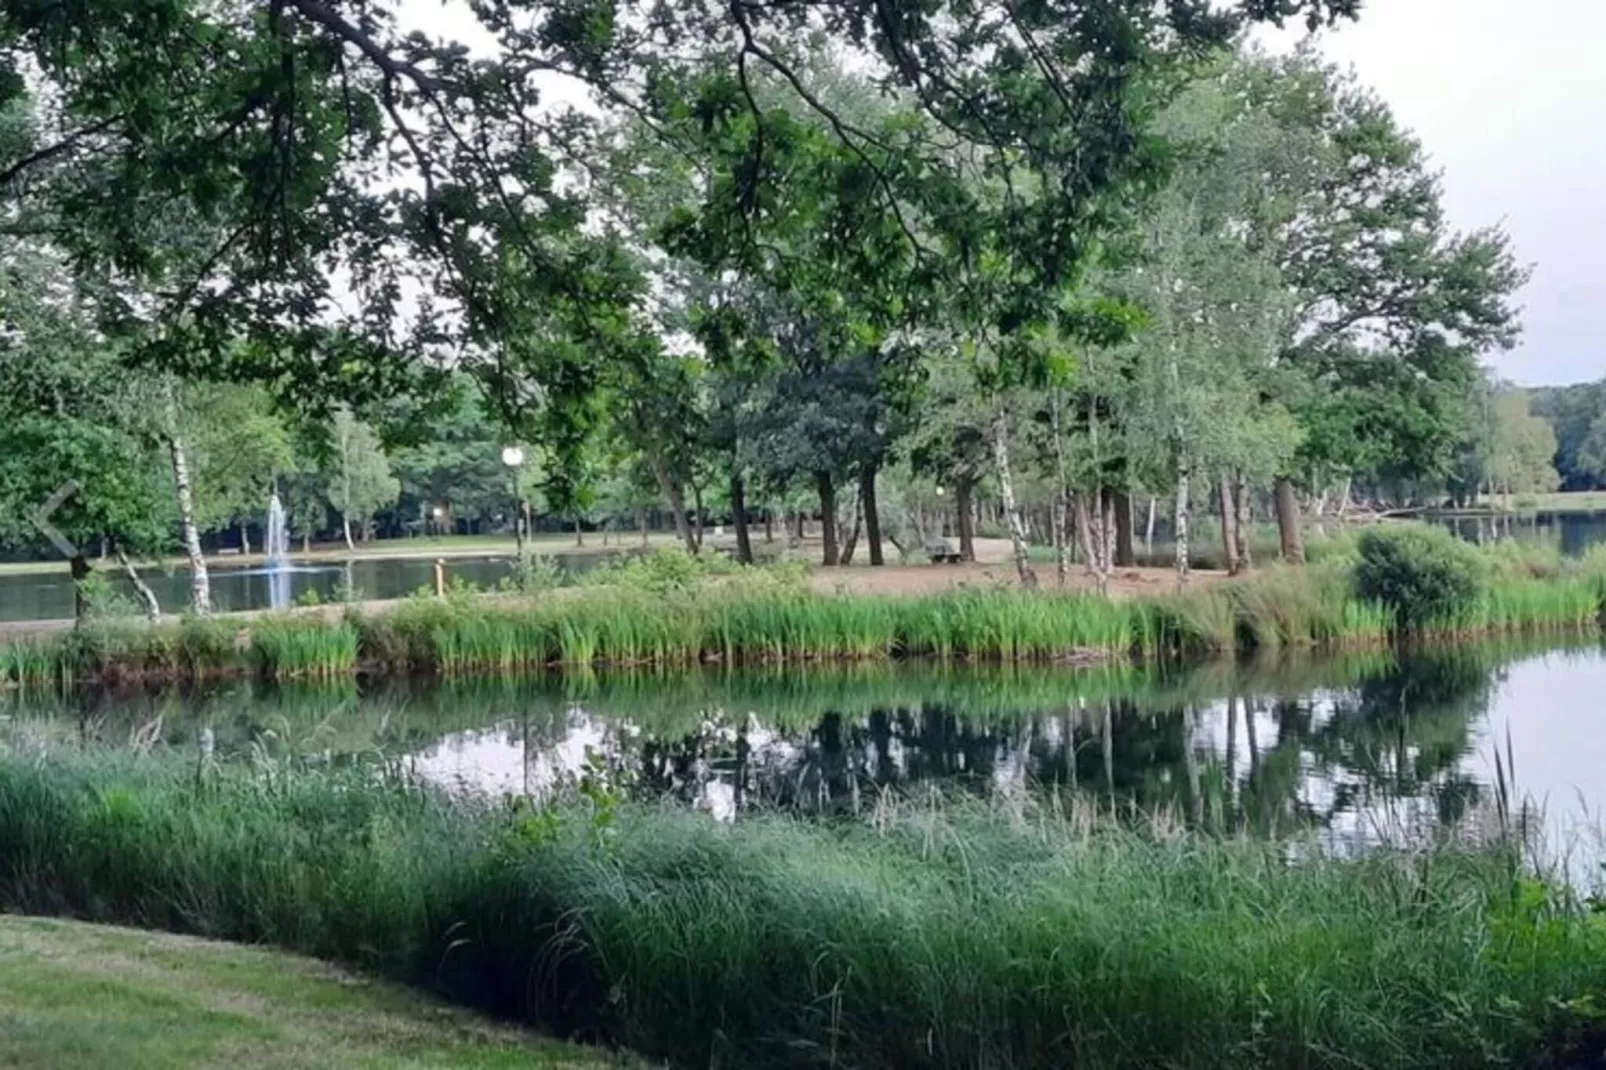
(278, 554)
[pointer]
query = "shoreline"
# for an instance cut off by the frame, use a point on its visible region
(767, 617)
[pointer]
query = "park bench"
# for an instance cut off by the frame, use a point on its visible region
(942, 552)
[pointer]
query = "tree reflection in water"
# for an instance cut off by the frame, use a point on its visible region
(1335, 746)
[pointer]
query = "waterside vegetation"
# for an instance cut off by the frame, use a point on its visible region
(928, 937)
(668, 610)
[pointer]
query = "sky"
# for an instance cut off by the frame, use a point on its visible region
(1509, 99)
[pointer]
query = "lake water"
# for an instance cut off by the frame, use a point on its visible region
(1353, 750)
(49, 595)
(1569, 533)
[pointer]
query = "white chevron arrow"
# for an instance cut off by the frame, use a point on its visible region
(41, 519)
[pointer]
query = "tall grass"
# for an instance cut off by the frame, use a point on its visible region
(962, 939)
(288, 647)
(666, 620)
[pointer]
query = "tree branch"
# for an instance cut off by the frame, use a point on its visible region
(393, 68)
(50, 152)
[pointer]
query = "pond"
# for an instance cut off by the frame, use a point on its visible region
(1569, 533)
(1351, 750)
(49, 595)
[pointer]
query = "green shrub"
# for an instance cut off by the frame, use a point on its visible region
(1422, 574)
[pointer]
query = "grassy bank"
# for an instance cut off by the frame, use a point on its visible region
(91, 997)
(662, 613)
(966, 939)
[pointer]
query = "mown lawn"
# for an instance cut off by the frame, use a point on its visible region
(89, 996)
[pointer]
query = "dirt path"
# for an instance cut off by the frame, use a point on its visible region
(993, 567)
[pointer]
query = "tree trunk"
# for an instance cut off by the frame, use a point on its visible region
(676, 500)
(579, 533)
(306, 545)
(965, 507)
(1062, 540)
(1085, 532)
(1288, 533)
(1184, 474)
(1125, 555)
(1241, 518)
(744, 545)
(153, 608)
(79, 565)
(1107, 526)
(345, 527)
(190, 535)
(827, 488)
(641, 525)
(1148, 533)
(1229, 525)
(245, 540)
(872, 514)
(1006, 491)
(1062, 506)
(846, 557)
(697, 505)
(769, 524)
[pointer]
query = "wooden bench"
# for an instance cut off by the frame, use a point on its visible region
(941, 552)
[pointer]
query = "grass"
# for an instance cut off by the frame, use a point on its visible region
(665, 611)
(90, 996)
(953, 937)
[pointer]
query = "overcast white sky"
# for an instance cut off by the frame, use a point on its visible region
(1510, 100)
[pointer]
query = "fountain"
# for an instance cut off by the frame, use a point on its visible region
(277, 549)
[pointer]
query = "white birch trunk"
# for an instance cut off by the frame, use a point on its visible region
(1006, 491)
(153, 608)
(1184, 474)
(200, 581)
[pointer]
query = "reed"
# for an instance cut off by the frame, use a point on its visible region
(731, 620)
(929, 938)
(288, 647)
(29, 664)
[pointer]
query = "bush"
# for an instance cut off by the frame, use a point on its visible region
(1422, 574)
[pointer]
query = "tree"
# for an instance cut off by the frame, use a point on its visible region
(1572, 412)
(238, 448)
(1520, 446)
(314, 149)
(1590, 457)
(75, 424)
(359, 482)
(1392, 309)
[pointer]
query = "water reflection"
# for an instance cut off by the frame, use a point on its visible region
(1347, 748)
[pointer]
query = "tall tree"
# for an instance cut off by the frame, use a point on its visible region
(359, 481)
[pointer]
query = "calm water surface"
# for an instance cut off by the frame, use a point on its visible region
(49, 595)
(1353, 750)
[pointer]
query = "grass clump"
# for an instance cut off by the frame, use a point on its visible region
(951, 939)
(287, 647)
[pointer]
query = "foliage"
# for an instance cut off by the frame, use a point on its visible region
(1575, 413)
(1422, 574)
(358, 481)
(933, 938)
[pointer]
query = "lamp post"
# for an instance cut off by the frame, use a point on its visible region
(513, 457)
